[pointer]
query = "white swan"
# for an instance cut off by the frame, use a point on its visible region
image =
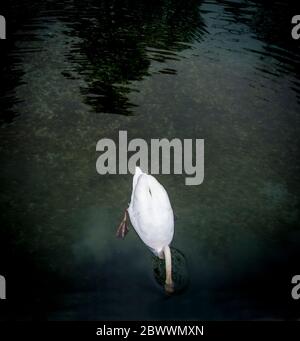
(152, 217)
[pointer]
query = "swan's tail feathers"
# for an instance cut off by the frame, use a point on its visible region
(138, 171)
(136, 176)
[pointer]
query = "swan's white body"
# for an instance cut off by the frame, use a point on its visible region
(151, 213)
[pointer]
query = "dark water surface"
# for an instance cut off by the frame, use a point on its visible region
(73, 72)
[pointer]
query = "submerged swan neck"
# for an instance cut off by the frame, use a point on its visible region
(169, 286)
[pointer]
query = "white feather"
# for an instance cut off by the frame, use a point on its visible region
(150, 212)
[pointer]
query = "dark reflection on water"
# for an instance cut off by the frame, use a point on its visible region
(225, 71)
(113, 43)
(118, 40)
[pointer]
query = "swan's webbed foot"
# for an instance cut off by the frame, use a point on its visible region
(123, 227)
